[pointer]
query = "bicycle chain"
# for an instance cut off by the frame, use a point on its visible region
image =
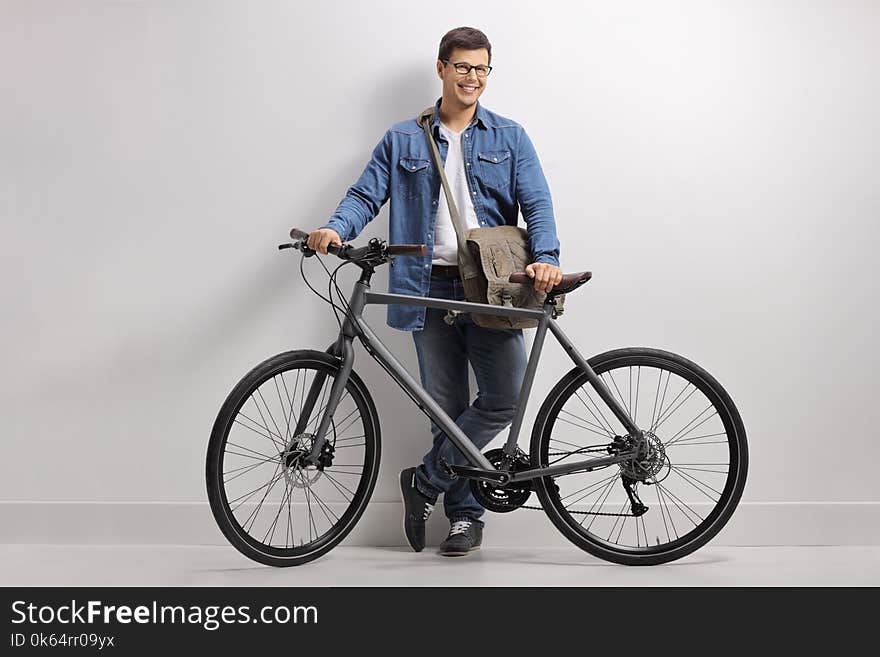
(582, 513)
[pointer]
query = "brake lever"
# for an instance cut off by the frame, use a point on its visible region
(299, 245)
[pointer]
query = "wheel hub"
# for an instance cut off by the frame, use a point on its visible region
(296, 472)
(650, 462)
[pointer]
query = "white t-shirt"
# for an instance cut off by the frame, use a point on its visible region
(445, 241)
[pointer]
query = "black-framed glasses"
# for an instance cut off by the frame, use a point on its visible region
(463, 68)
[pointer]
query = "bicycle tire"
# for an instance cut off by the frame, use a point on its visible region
(236, 532)
(551, 496)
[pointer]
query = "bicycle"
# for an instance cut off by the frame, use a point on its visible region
(588, 460)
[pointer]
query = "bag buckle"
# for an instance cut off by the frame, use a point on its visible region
(450, 316)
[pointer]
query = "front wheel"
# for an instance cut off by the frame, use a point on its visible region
(673, 499)
(269, 503)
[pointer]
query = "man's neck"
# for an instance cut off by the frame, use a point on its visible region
(456, 118)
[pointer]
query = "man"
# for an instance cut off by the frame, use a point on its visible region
(493, 171)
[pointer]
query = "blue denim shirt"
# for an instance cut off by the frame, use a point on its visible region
(503, 174)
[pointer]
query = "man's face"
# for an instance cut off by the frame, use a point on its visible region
(463, 90)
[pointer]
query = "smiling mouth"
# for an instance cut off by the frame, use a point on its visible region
(469, 89)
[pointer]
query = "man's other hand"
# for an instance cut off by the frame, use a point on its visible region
(320, 239)
(545, 275)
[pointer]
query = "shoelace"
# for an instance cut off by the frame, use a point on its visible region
(460, 527)
(428, 506)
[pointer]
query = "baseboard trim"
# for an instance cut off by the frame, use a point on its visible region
(191, 523)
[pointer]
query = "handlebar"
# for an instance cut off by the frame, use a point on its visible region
(348, 252)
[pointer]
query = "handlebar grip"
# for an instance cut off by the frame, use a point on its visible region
(408, 249)
(303, 236)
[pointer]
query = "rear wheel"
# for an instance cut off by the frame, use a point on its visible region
(679, 494)
(268, 503)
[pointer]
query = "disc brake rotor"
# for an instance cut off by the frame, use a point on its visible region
(296, 474)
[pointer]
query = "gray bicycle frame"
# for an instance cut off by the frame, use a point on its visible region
(356, 326)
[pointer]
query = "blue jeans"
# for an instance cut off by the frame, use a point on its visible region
(498, 357)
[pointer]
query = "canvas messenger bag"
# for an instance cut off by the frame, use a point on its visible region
(488, 256)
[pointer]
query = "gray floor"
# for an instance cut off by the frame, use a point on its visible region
(168, 565)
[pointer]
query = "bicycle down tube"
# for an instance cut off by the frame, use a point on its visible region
(356, 326)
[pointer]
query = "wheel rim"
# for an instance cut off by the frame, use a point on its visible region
(274, 503)
(688, 478)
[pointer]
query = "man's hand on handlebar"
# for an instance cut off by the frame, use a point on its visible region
(321, 238)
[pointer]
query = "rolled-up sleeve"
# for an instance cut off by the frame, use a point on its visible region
(533, 196)
(365, 198)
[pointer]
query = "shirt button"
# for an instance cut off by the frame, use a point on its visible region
(475, 193)
(468, 164)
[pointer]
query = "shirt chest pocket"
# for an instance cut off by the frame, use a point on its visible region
(414, 177)
(495, 168)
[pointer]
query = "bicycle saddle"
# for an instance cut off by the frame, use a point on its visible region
(569, 283)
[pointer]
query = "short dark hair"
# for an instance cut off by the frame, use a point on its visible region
(466, 38)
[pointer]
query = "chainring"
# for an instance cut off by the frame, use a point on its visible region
(503, 499)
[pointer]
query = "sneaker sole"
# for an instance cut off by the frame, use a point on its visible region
(403, 478)
(459, 554)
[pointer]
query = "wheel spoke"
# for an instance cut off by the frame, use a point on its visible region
(269, 412)
(253, 516)
(289, 415)
(636, 408)
(609, 431)
(589, 488)
(691, 479)
(268, 434)
(607, 493)
(672, 410)
(663, 511)
(244, 470)
(621, 518)
(682, 503)
(247, 449)
(340, 488)
(587, 428)
(286, 417)
(322, 505)
(619, 395)
(278, 514)
(678, 436)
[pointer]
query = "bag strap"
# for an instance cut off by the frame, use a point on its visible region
(466, 262)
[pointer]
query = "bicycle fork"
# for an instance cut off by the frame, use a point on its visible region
(311, 399)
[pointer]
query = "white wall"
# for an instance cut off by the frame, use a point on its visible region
(715, 164)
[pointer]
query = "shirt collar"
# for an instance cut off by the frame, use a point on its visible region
(480, 117)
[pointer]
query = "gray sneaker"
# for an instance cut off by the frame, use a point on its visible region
(464, 536)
